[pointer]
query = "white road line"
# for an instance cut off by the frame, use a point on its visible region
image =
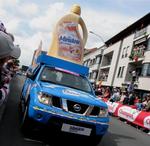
(37, 141)
(33, 140)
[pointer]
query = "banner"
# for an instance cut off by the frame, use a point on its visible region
(128, 113)
(140, 118)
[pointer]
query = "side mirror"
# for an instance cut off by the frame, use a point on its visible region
(30, 75)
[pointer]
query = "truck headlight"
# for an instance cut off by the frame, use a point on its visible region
(45, 98)
(103, 112)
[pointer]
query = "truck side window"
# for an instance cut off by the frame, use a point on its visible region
(35, 71)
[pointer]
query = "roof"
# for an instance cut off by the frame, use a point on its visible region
(88, 51)
(144, 21)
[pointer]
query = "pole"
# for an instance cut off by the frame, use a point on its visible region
(97, 36)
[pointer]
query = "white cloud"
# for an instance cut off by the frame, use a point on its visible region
(105, 24)
(3, 13)
(47, 20)
(4, 3)
(28, 9)
(12, 25)
(29, 44)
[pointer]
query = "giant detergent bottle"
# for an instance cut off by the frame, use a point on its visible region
(68, 42)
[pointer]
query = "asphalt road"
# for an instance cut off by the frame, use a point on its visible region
(119, 133)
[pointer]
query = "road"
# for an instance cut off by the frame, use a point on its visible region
(119, 133)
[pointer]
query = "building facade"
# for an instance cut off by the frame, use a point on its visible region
(92, 59)
(126, 54)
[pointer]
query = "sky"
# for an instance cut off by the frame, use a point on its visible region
(31, 21)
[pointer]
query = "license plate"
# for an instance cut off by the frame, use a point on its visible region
(76, 129)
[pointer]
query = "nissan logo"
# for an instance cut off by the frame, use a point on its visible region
(77, 107)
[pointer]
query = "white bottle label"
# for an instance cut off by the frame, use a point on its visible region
(69, 41)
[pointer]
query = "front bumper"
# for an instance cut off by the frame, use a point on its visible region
(56, 117)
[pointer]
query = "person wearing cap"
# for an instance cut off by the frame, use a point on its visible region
(7, 50)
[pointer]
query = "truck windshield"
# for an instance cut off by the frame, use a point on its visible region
(65, 78)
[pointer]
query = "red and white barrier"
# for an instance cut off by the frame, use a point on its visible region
(140, 118)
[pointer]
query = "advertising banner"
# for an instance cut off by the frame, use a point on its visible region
(129, 113)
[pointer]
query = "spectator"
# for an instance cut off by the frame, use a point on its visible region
(147, 106)
(123, 96)
(130, 87)
(7, 51)
(139, 105)
(137, 98)
(99, 90)
(144, 102)
(107, 93)
(9, 68)
(126, 100)
(131, 98)
(133, 73)
(116, 96)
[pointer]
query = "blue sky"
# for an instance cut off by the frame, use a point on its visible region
(33, 20)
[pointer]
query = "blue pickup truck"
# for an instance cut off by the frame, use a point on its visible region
(58, 94)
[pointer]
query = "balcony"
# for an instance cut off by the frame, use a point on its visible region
(104, 74)
(137, 53)
(107, 58)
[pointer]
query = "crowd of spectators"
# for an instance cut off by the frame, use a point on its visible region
(9, 52)
(125, 96)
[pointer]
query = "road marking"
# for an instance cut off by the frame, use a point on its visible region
(37, 141)
(33, 140)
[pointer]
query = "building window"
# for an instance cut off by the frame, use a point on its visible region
(88, 63)
(120, 72)
(148, 44)
(90, 75)
(98, 59)
(94, 74)
(85, 63)
(125, 52)
(140, 32)
(146, 69)
(94, 61)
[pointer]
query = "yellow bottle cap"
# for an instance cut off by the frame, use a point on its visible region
(76, 9)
